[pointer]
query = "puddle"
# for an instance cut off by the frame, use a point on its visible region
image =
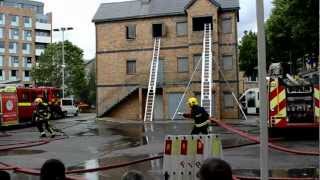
(19, 152)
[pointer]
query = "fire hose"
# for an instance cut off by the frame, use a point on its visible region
(27, 144)
(271, 145)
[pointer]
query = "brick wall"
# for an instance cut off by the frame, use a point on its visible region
(113, 51)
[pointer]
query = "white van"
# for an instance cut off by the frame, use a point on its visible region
(250, 101)
(68, 107)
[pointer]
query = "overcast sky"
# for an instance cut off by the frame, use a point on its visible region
(79, 13)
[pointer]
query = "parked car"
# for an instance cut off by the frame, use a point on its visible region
(68, 107)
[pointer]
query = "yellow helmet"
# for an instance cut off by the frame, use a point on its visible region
(38, 100)
(192, 101)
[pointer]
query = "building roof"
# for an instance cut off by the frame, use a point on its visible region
(34, 3)
(138, 9)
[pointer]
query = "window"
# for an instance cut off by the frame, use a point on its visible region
(14, 61)
(199, 22)
(228, 100)
(13, 46)
(14, 20)
(2, 19)
(1, 60)
(19, 5)
(158, 30)
(1, 32)
(131, 31)
(26, 75)
(2, 47)
(42, 33)
(13, 75)
(196, 59)
(131, 67)
(27, 35)
(27, 62)
(227, 62)
(182, 28)
(226, 26)
(14, 34)
(1, 75)
(26, 48)
(27, 21)
(183, 64)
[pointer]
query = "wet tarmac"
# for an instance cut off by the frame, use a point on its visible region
(92, 144)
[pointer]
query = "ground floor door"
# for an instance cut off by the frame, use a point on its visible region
(158, 107)
(173, 102)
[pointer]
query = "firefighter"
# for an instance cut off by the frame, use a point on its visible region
(200, 116)
(41, 116)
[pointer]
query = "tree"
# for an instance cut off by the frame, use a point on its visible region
(292, 30)
(48, 68)
(248, 53)
(92, 87)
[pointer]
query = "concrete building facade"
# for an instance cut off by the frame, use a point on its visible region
(25, 31)
(125, 35)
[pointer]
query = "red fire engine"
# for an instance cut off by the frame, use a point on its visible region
(23, 97)
(293, 101)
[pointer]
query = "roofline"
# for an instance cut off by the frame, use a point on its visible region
(193, 1)
(138, 17)
(154, 16)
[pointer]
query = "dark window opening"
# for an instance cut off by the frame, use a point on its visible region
(199, 22)
(157, 30)
(131, 32)
(13, 73)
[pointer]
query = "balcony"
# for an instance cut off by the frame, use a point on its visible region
(39, 52)
(43, 39)
(43, 26)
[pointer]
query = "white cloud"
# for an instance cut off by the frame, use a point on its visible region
(248, 19)
(79, 13)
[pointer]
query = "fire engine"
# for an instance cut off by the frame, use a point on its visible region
(21, 98)
(293, 101)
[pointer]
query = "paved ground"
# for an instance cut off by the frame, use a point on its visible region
(94, 143)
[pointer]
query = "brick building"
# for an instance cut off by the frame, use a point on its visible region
(125, 34)
(25, 31)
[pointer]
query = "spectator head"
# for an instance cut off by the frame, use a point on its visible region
(132, 175)
(52, 169)
(4, 175)
(215, 169)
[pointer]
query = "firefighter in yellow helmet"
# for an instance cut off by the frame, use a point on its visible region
(41, 116)
(200, 116)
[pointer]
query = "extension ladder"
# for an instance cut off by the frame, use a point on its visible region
(148, 113)
(206, 76)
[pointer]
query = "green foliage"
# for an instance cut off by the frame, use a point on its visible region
(92, 87)
(48, 68)
(248, 53)
(292, 30)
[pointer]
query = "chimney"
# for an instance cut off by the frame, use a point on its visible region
(145, 1)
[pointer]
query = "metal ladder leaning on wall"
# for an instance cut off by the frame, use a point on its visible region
(148, 113)
(206, 76)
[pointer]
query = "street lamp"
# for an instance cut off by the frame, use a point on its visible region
(62, 29)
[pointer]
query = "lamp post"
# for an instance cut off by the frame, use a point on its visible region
(62, 29)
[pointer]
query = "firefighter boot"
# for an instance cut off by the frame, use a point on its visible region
(53, 135)
(43, 135)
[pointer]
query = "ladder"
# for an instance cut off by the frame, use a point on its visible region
(148, 113)
(206, 76)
